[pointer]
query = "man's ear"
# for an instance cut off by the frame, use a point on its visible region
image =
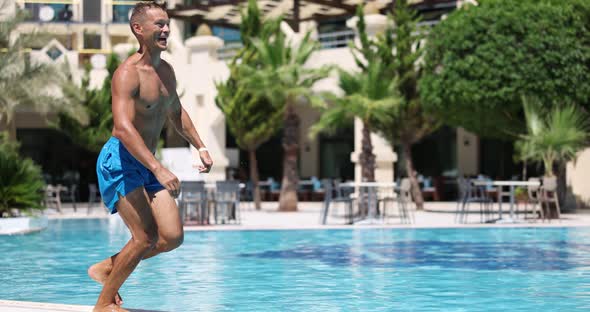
(136, 28)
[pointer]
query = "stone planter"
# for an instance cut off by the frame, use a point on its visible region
(22, 225)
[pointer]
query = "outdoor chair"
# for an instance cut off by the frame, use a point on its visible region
(93, 196)
(247, 195)
(475, 194)
(70, 194)
(463, 187)
(52, 197)
(429, 190)
(404, 201)
(304, 190)
(549, 196)
(533, 198)
(317, 193)
(269, 189)
(227, 201)
(368, 202)
(334, 196)
(401, 201)
(193, 202)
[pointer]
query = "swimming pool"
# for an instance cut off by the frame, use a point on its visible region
(491, 269)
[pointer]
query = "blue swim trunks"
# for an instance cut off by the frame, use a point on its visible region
(120, 173)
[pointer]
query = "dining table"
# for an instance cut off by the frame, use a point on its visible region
(370, 189)
(511, 186)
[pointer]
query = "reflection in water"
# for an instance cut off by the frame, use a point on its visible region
(532, 256)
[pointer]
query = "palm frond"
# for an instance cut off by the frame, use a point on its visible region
(554, 135)
(24, 83)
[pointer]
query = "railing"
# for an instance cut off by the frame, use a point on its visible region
(49, 11)
(229, 50)
(121, 9)
(336, 39)
(329, 40)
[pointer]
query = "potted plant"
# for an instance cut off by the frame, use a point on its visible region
(21, 190)
(521, 195)
(554, 136)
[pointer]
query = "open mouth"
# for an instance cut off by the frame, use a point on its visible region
(163, 41)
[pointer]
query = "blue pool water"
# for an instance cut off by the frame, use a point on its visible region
(516, 269)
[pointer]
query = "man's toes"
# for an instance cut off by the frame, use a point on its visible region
(92, 272)
(109, 308)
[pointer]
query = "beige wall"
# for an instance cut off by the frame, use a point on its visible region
(578, 178)
(32, 120)
(309, 153)
(467, 152)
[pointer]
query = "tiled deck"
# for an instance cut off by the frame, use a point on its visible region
(435, 215)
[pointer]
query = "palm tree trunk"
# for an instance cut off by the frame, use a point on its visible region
(288, 197)
(254, 178)
(367, 158)
(562, 185)
(416, 192)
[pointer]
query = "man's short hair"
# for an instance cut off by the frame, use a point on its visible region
(140, 9)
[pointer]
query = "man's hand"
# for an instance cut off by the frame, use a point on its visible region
(206, 160)
(168, 180)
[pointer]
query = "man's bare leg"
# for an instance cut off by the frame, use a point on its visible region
(136, 212)
(100, 271)
(170, 236)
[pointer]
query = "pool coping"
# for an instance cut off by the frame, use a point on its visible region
(201, 228)
(26, 306)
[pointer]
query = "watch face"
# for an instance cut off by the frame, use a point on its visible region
(46, 13)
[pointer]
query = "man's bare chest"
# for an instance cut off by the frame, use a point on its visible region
(153, 94)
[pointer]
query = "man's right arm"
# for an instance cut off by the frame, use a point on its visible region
(125, 83)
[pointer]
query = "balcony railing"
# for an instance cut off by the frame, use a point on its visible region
(122, 10)
(327, 41)
(338, 39)
(48, 11)
(229, 50)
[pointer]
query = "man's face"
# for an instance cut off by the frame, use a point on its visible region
(155, 29)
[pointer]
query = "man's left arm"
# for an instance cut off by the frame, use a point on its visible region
(185, 127)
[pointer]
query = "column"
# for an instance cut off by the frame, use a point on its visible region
(384, 155)
(197, 73)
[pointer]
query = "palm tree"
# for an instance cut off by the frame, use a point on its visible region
(554, 138)
(27, 83)
(368, 97)
(282, 78)
(398, 48)
(93, 133)
(251, 118)
(21, 182)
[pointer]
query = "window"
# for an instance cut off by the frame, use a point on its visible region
(49, 12)
(122, 11)
(92, 41)
(92, 11)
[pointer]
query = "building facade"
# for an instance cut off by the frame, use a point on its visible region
(87, 30)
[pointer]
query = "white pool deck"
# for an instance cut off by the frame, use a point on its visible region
(435, 215)
(19, 306)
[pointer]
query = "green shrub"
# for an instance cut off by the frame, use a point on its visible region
(21, 182)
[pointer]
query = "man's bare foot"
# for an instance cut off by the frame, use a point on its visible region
(99, 273)
(110, 308)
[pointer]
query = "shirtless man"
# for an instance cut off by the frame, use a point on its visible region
(132, 181)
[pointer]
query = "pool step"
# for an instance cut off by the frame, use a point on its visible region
(22, 306)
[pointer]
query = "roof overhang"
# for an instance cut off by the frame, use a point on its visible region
(227, 12)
